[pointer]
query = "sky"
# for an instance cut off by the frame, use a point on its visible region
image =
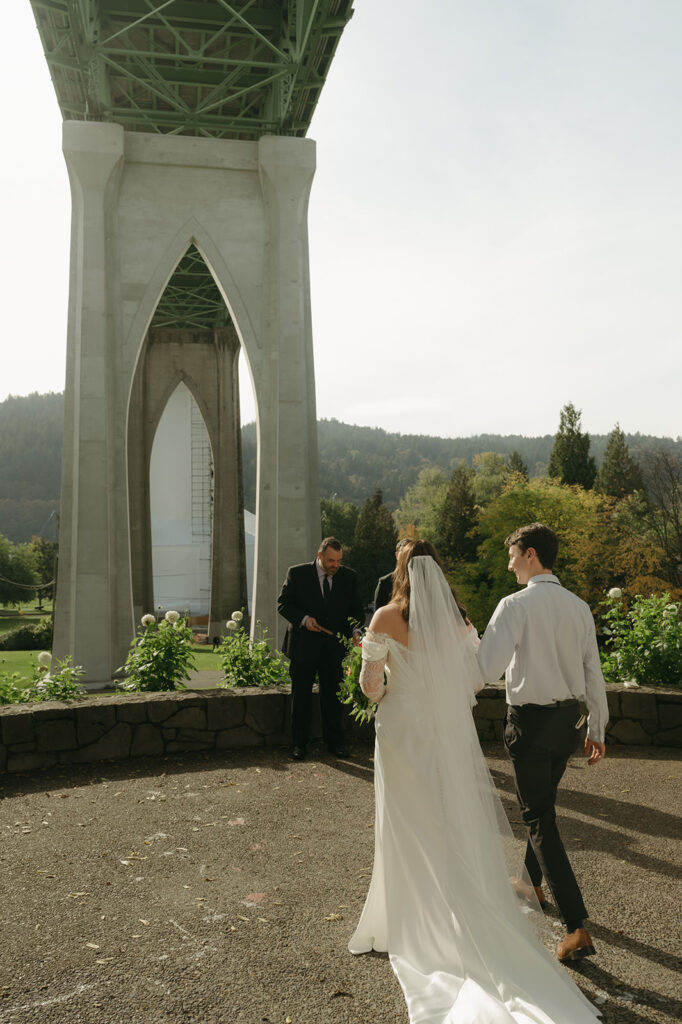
(495, 221)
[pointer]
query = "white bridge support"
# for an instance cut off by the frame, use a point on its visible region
(139, 201)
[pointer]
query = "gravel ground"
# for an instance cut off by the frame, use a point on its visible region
(223, 888)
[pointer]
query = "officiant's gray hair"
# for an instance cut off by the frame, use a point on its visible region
(537, 536)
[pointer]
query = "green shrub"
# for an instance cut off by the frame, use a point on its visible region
(160, 656)
(10, 690)
(28, 638)
(644, 644)
(250, 663)
(59, 683)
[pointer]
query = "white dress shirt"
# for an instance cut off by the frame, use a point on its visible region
(543, 639)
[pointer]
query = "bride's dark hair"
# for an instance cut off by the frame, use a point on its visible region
(401, 577)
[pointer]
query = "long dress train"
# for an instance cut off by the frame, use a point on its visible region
(439, 901)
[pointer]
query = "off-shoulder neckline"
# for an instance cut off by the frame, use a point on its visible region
(387, 636)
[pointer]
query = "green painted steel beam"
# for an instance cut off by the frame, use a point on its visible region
(233, 69)
(226, 68)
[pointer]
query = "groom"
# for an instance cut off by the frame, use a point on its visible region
(543, 638)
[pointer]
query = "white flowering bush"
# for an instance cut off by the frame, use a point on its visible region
(643, 644)
(247, 662)
(160, 656)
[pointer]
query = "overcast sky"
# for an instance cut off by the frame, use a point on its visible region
(495, 223)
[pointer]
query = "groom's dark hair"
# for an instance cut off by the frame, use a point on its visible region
(541, 538)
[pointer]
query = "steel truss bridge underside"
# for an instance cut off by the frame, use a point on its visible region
(212, 68)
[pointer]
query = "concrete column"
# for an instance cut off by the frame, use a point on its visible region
(93, 586)
(288, 485)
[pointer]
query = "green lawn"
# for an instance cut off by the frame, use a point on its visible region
(205, 658)
(22, 662)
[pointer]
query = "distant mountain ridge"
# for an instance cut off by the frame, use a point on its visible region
(354, 460)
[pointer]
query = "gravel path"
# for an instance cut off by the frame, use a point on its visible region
(224, 888)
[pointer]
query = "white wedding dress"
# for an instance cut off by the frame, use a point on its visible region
(440, 902)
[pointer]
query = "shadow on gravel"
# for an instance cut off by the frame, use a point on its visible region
(623, 941)
(617, 1013)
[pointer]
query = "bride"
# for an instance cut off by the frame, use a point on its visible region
(440, 901)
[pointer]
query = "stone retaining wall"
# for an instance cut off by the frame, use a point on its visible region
(137, 725)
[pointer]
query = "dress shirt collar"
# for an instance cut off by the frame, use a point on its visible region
(544, 577)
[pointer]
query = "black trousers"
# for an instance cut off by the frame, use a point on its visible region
(323, 662)
(540, 739)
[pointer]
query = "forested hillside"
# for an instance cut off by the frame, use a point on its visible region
(354, 460)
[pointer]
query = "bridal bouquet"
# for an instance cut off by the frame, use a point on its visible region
(349, 692)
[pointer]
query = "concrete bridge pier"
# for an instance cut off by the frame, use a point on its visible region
(139, 201)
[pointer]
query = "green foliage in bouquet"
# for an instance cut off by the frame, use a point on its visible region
(249, 662)
(350, 692)
(160, 656)
(644, 644)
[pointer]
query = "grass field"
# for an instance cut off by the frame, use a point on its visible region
(22, 662)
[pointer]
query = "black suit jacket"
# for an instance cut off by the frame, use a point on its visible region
(382, 595)
(301, 595)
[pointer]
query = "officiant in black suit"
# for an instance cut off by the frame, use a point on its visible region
(384, 589)
(319, 599)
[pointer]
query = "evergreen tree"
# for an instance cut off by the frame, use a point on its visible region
(373, 544)
(570, 460)
(517, 465)
(458, 516)
(339, 519)
(619, 473)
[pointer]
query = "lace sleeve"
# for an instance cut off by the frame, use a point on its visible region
(374, 654)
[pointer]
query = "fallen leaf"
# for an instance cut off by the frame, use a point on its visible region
(334, 917)
(240, 917)
(105, 960)
(92, 945)
(142, 921)
(236, 821)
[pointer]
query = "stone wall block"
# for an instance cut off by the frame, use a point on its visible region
(669, 738)
(135, 712)
(491, 709)
(265, 712)
(57, 734)
(147, 741)
(241, 736)
(113, 746)
(30, 761)
(3, 758)
(613, 701)
(93, 722)
(225, 711)
(485, 727)
(168, 734)
(205, 736)
(17, 725)
(628, 731)
(187, 718)
(161, 709)
(22, 748)
(669, 715)
(637, 705)
(650, 725)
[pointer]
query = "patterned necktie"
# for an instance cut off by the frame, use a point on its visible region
(326, 589)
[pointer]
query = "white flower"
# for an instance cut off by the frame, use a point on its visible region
(615, 593)
(148, 620)
(231, 624)
(44, 659)
(41, 687)
(172, 617)
(669, 612)
(237, 616)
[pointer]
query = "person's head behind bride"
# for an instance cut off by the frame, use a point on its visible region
(393, 618)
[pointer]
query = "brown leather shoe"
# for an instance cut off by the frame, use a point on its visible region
(525, 892)
(575, 946)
